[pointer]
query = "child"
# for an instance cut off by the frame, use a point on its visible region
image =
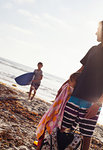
(38, 75)
(53, 117)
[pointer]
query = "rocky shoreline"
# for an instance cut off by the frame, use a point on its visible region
(19, 118)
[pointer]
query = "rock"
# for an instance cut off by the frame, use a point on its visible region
(14, 148)
(14, 85)
(23, 148)
(20, 117)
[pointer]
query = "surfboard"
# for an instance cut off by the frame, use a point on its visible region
(25, 79)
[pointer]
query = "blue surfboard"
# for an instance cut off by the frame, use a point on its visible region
(25, 79)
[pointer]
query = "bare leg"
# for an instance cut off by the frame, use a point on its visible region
(86, 142)
(33, 94)
(30, 92)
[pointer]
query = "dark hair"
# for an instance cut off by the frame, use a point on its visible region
(40, 63)
(75, 76)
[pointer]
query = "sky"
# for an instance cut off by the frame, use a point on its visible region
(56, 32)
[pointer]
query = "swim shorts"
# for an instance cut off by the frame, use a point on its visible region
(35, 85)
(74, 114)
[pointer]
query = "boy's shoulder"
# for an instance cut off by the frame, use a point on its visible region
(38, 71)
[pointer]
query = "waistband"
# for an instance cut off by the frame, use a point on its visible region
(80, 102)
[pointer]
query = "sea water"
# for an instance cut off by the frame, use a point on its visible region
(49, 85)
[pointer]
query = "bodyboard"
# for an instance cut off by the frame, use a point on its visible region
(25, 79)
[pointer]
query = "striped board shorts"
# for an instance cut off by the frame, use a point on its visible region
(74, 113)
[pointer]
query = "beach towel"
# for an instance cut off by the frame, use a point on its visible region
(53, 117)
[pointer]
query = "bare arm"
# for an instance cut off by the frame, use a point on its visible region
(101, 99)
(92, 111)
(80, 70)
(59, 91)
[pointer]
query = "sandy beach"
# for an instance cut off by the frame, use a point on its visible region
(19, 119)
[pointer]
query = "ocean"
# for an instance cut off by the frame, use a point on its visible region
(49, 85)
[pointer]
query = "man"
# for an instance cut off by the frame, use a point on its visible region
(84, 105)
(38, 75)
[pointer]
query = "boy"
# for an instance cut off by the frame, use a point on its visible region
(53, 117)
(38, 75)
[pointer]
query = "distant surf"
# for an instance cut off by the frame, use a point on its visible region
(49, 85)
